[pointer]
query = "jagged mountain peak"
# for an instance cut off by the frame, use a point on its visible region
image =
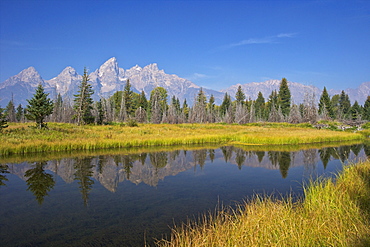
(29, 74)
(68, 71)
(152, 67)
(110, 67)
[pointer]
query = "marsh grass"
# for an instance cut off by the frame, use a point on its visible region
(19, 138)
(333, 213)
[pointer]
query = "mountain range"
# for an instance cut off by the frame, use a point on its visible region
(109, 78)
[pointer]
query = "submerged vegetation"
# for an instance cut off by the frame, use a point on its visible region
(331, 214)
(19, 139)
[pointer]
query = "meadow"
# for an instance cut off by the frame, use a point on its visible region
(332, 213)
(19, 138)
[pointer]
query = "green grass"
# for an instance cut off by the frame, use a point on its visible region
(333, 213)
(20, 139)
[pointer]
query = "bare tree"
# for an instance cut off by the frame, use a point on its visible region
(294, 115)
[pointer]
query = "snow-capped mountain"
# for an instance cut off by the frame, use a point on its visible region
(109, 78)
(105, 81)
(66, 83)
(20, 87)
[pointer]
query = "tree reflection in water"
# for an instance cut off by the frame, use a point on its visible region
(83, 174)
(39, 182)
(3, 169)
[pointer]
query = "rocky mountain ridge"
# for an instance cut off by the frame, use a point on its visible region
(109, 78)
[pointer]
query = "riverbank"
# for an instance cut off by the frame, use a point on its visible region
(332, 214)
(18, 138)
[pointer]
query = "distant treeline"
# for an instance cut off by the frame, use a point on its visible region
(130, 107)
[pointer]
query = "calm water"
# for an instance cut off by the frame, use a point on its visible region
(127, 200)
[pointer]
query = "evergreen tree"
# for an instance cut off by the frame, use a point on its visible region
(199, 109)
(10, 111)
(39, 107)
(344, 104)
(185, 109)
(211, 109)
(142, 102)
(325, 104)
(240, 96)
(128, 99)
(336, 108)
(19, 113)
(3, 120)
(100, 117)
(226, 103)
(58, 108)
(284, 97)
(366, 112)
(259, 107)
(158, 104)
(83, 101)
(355, 111)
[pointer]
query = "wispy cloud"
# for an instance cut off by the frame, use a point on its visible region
(264, 40)
(196, 76)
(13, 44)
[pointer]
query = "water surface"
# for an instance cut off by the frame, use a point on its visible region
(129, 199)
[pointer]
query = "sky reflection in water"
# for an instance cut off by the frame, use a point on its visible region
(127, 200)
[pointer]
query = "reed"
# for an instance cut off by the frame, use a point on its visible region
(20, 139)
(332, 214)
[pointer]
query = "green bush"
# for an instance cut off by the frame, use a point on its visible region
(132, 123)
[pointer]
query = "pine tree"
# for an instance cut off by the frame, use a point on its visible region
(19, 113)
(344, 104)
(284, 97)
(271, 104)
(366, 113)
(142, 102)
(225, 105)
(211, 109)
(10, 111)
(199, 108)
(39, 107)
(83, 101)
(259, 107)
(158, 104)
(240, 96)
(336, 108)
(3, 120)
(100, 117)
(355, 111)
(325, 103)
(127, 97)
(185, 110)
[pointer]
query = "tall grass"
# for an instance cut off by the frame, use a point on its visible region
(18, 138)
(332, 214)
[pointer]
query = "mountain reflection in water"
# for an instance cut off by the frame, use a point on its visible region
(148, 191)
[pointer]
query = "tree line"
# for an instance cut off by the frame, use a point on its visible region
(132, 108)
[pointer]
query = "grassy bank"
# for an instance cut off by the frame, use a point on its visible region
(332, 214)
(19, 138)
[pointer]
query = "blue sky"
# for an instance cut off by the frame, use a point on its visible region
(215, 44)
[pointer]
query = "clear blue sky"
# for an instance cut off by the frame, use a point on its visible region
(215, 44)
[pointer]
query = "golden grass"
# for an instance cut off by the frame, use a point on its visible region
(18, 138)
(332, 214)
